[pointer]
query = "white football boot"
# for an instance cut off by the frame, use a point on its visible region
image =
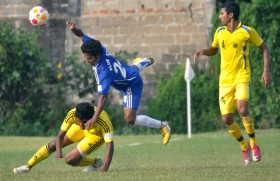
(94, 167)
(22, 169)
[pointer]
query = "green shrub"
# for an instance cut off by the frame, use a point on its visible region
(25, 76)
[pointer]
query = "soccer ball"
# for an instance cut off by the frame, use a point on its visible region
(38, 16)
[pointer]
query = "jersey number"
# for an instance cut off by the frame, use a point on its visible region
(118, 67)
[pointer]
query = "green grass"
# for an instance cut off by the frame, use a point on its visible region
(208, 156)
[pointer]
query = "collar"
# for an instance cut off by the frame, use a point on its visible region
(238, 26)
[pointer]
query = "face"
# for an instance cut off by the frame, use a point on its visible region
(224, 17)
(91, 59)
(82, 123)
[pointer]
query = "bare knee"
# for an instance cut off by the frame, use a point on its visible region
(243, 112)
(129, 120)
(70, 160)
(129, 116)
(242, 107)
(52, 145)
(227, 119)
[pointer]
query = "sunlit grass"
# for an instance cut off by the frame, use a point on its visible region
(208, 156)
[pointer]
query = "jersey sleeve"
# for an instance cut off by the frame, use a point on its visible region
(255, 38)
(105, 79)
(215, 42)
(69, 120)
(106, 127)
(85, 38)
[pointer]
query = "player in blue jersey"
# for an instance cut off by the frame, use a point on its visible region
(111, 72)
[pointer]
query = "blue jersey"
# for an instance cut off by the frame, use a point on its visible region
(111, 72)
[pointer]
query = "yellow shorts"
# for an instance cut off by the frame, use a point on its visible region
(87, 141)
(228, 95)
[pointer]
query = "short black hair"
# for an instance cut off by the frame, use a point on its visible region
(232, 7)
(92, 47)
(84, 111)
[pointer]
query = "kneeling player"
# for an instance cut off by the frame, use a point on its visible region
(71, 131)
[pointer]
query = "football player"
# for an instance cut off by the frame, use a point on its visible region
(73, 130)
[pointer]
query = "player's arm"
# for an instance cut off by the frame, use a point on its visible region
(208, 52)
(266, 78)
(76, 31)
(101, 103)
(109, 156)
(58, 144)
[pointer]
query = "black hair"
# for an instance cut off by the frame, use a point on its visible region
(84, 111)
(92, 47)
(232, 7)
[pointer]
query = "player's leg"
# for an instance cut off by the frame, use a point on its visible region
(132, 98)
(43, 153)
(73, 135)
(228, 106)
(242, 96)
(78, 156)
(141, 63)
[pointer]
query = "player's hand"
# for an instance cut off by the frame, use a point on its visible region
(89, 124)
(70, 25)
(58, 156)
(266, 79)
(197, 55)
(101, 170)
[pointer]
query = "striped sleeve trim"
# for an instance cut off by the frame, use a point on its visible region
(104, 125)
(70, 115)
(221, 28)
(246, 29)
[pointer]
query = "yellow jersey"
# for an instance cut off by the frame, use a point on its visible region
(102, 127)
(234, 49)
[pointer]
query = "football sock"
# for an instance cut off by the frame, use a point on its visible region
(146, 121)
(234, 130)
(141, 63)
(249, 127)
(87, 161)
(40, 155)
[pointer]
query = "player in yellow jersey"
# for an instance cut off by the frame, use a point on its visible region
(73, 130)
(234, 40)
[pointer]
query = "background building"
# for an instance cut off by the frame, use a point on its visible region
(167, 30)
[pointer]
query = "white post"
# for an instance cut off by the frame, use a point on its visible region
(189, 75)
(189, 108)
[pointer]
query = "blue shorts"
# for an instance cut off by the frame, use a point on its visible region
(132, 94)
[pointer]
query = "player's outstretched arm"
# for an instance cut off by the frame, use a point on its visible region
(76, 31)
(108, 157)
(208, 52)
(101, 103)
(266, 78)
(58, 146)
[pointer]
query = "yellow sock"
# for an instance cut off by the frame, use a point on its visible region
(87, 161)
(40, 155)
(234, 130)
(249, 127)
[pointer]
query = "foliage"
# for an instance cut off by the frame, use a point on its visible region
(36, 94)
(268, 101)
(25, 77)
(124, 55)
(204, 87)
(170, 103)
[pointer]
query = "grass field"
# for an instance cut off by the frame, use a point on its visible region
(208, 156)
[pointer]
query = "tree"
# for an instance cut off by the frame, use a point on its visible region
(264, 103)
(24, 77)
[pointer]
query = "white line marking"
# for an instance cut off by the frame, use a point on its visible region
(138, 143)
